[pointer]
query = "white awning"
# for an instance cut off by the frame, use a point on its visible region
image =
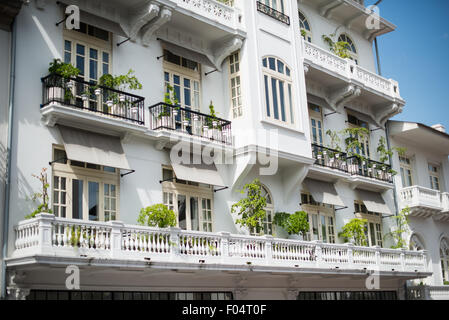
(373, 201)
(93, 148)
(102, 23)
(323, 192)
(187, 53)
(201, 173)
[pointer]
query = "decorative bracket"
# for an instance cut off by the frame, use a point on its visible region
(155, 24)
(343, 95)
(138, 21)
(225, 48)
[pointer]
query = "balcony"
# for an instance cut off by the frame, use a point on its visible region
(428, 293)
(77, 101)
(346, 81)
(184, 122)
(346, 69)
(330, 158)
(425, 203)
(344, 166)
(49, 237)
(277, 15)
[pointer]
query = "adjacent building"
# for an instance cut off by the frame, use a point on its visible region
(236, 90)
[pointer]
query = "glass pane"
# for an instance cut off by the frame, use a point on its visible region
(272, 63)
(182, 212)
(94, 200)
(267, 97)
(281, 96)
(323, 228)
(194, 214)
(77, 196)
(275, 97)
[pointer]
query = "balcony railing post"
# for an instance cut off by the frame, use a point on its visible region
(402, 259)
(174, 242)
(378, 256)
(116, 238)
(424, 258)
(224, 245)
(268, 249)
(318, 253)
(350, 255)
(45, 222)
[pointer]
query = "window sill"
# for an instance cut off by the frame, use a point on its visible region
(281, 125)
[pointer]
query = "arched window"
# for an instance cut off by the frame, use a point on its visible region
(304, 26)
(350, 46)
(444, 255)
(269, 210)
(416, 244)
(278, 90)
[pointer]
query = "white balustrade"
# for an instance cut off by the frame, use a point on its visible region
(445, 201)
(52, 236)
(417, 196)
(346, 68)
(220, 11)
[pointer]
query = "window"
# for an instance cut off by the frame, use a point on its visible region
(350, 46)
(406, 172)
(444, 255)
(434, 175)
(184, 76)
(354, 122)
(373, 231)
(316, 124)
(278, 90)
(321, 219)
(192, 202)
(235, 84)
(304, 26)
(275, 4)
(84, 191)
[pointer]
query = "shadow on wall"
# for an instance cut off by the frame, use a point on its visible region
(3, 163)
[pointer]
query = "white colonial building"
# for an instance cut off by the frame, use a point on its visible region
(277, 89)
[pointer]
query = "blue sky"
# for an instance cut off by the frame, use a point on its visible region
(417, 56)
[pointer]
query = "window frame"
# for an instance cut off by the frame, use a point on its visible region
(302, 26)
(352, 50)
(434, 175)
(320, 210)
(71, 172)
(189, 190)
(444, 259)
(318, 117)
(374, 219)
(406, 170)
(286, 78)
(234, 61)
(277, 5)
(184, 73)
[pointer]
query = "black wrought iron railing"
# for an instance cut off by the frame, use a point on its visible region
(88, 96)
(330, 158)
(334, 159)
(164, 116)
(262, 7)
(370, 168)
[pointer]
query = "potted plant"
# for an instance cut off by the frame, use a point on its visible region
(43, 207)
(117, 102)
(61, 89)
(355, 232)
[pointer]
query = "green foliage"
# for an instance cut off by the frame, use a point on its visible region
(43, 195)
(303, 33)
(251, 208)
(386, 153)
(66, 70)
(121, 82)
(353, 138)
(296, 223)
(402, 227)
(354, 231)
(339, 48)
(157, 215)
(170, 96)
(446, 283)
(335, 140)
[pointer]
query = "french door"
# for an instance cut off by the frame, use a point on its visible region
(194, 211)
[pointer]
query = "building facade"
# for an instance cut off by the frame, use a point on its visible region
(231, 91)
